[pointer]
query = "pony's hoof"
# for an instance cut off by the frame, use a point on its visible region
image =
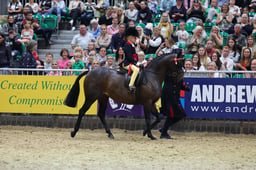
(73, 134)
(111, 136)
(152, 138)
(144, 132)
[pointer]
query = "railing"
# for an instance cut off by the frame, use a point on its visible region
(69, 72)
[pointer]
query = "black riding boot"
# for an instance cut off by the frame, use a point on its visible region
(164, 129)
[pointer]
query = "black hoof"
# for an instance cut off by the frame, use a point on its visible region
(73, 134)
(165, 136)
(144, 132)
(111, 136)
(152, 137)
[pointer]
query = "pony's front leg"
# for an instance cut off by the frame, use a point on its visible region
(148, 121)
(158, 120)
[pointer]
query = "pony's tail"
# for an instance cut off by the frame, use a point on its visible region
(72, 97)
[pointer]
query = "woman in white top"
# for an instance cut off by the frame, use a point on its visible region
(132, 12)
(33, 5)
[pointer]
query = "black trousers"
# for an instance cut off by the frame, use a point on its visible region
(74, 14)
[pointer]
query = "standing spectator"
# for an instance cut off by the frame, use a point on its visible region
(27, 32)
(165, 26)
(225, 60)
(216, 38)
(178, 12)
(196, 12)
(78, 64)
(88, 14)
(209, 48)
(48, 62)
(239, 37)
(10, 25)
(33, 5)
(234, 10)
(54, 72)
(141, 41)
(63, 62)
(224, 18)
(132, 12)
(58, 8)
(182, 34)
(95, 28)
(165, 5)
(76, 7)
(44, 6)
(5, 54)
(107, 18)
(195, 40)
(245, 60)
(83, 38)
(233, 52)
(103, 39)
(144, 14)
(118, 39)
(154, 42)
(251, 44)
(113, 28)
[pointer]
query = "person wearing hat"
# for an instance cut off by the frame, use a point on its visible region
(131, 57)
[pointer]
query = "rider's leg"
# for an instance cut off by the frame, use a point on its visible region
(135, 71)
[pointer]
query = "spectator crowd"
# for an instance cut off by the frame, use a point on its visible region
(213, 34)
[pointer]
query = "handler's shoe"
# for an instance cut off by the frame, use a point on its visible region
(165, 136)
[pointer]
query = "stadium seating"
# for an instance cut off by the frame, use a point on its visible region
(189, 27)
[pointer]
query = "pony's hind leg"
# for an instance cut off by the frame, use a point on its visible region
(82, 112)
(103, 101)
(147, 110)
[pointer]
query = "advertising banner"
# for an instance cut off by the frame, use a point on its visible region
(221, 98)
(39, 94)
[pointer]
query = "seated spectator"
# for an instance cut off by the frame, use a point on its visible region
(78, 64)
(166, 47)
(131, 24)
(239, 37)
(178, 13)
(63, 62)
(216, 38)
(141, 59)
(48, 62)
(14, 8)
(196, 63)
(89, 61)
(247, 28)
(209, 48)
(5, 53)
(251, 44)
(33, 5)
(234, 54)
(196, 12)
(95, 28)
(152, 5)
(113, 28)
(76, 8)
(155, 41)
(118, 39)
(58, 8)
(195, 40)
(132, 12)
(27, 32)
(182, 34)
(224, 18)
(121, 16)
(252, 68)
(252, 6)
(119, 56)
(44, 6)
(83, 38)
(100, 8)
(141, 41)
(95, 63)
(107, 18)
(88, 14)
(212, 12)
(80, 50)
(216, 59)
(204, 34)
(245, 60)
(165, 26)
(234, 10)
(54, 72)
(225, 60)
(204, 59)
(102, 56)
(121, 4)
(211, 66)
(110, 62)
(165, 5)
(10, 25)
(144, 14)
(103, 39)
(254, 24)
(188, 64)
(46, 32)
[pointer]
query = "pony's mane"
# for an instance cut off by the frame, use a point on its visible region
(155, 60)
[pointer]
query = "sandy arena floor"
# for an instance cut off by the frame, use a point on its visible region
(43, 148)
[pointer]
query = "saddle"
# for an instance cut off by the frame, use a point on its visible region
(127, 77)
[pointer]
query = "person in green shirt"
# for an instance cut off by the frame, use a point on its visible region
(78, 64)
